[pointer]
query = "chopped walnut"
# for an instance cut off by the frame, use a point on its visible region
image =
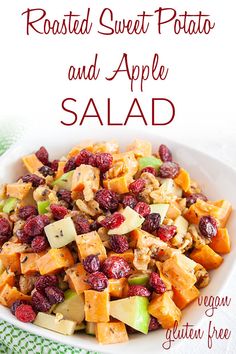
(26, 283)
(162, 195)
(91, 208)
(111, 147)
(202, 276)
(41, 193)
(151, 184)
(198, 240)
(141, 258)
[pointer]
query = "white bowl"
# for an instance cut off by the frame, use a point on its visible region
(217, 180)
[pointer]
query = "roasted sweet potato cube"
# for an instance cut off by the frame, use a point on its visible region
(76, 149)
(220, 210)
(96, 306)
(7, 277)
(9, 294)
(54, 260)
(77, 278)
(28, 263)
(179, 269)
(90, 243)
(18, 190)
(165, 310)
(140, 148)
(116, 287)
(32, 163)
(221, 242)
(86, 177)
(225, 211)
(60, 169)
(183, 298)
(206, 257)
(127, 255)
(11, 262)
(183, 180)
(111, 332)
(118, 184)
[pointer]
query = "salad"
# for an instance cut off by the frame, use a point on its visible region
(107, 242)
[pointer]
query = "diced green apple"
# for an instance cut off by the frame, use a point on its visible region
(60, 233)
(132, 221)
(43, 206)
(9, 205)
(64, 181)
(149, 161)
(72, 308)
(44, 320)
(182, 225)
(2, 202)
(90, 328)
(138, 279)
(168, 186)
(133, 311)
(160, 209)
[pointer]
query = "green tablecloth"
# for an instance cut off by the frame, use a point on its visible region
(12, 339)
(16, 341)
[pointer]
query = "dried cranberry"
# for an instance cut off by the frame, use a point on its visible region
(131, 330)
(119, 243)
(39, 244)
(35, 226)
(103, 161)
(27, 211)
(130, 201)
(153, 324)
(42, 155)
(3, 239)
(142, 208)
(85, 157)
(58, 211)
(44, 281)
(46, 171)
(138, 290)
(165, 153)
(113, 221)
(23, 237)
(115, 267)
(25, 313)
(5, 230)
(34, 179)
(150, 169)
(107, 199)
(191, 199)
(65, 195)
(95, 225)
(137, 186)
(40, 302)
(208, 226)
(54, 165)
(151, 222)
(98, 281)
(91, 263)
(169, 170)
(5, 227)
(166, 232)
(82, 225)
(54, 294)
(156, 283)
(70, 165)
(16, 304)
